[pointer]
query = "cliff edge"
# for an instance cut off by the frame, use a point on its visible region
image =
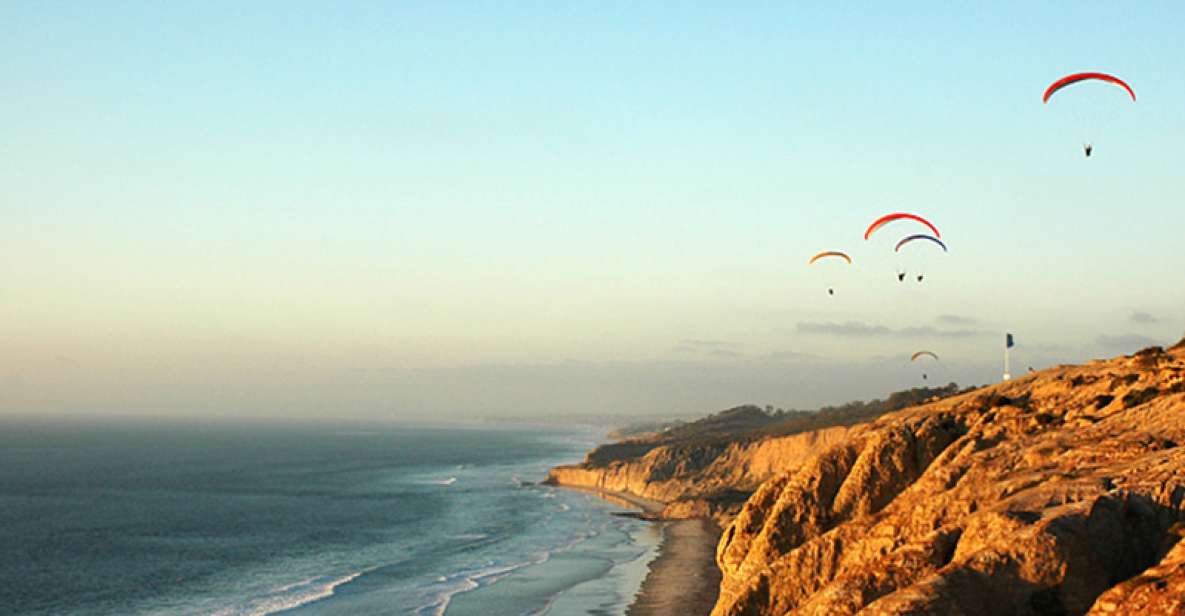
(708, 468)
(1057, 493)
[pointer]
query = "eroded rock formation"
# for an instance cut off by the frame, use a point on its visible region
(1052, 494)
(700, 480)
(1062, 492)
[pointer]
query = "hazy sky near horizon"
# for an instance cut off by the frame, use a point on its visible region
(465, 208)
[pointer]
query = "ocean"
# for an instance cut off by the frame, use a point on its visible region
(184, 517)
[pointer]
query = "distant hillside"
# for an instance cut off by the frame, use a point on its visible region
(708, 467)
(750, 421)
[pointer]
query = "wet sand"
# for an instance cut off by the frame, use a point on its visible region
(651, 508)
(684, 579)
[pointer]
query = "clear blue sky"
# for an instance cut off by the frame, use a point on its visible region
(469, 208)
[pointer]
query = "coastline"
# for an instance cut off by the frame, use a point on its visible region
(683, 579)
(650, 508)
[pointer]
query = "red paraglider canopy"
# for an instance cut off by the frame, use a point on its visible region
(888, 218)
(1076, 77)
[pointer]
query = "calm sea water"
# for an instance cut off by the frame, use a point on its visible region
(134, 517)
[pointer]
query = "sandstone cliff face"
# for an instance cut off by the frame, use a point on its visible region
(691, 478)
(1038, 496)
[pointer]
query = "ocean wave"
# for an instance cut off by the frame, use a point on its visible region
(288, 587)
(439, 594)
(438, 482)
(468, 536)
(466, 581)
(290, 596)
(447, 587)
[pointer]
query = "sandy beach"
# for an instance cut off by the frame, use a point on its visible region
(684, 579)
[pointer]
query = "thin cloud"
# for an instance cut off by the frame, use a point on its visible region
(932, 332)
(854, 329)
(789, 356)
(857, 329)
(954, 319)
(1142, 318)
(707, 344)
(712, 348)
(1124, 342)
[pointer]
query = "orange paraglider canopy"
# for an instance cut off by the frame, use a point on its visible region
(830, 253)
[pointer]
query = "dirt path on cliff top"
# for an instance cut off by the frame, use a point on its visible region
(684, 579)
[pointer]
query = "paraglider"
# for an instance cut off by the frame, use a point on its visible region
(830, 254)
(888, 218)
(1078, 77)
(919, 236)
(921, 354)
(1068, 80)
(914, 238)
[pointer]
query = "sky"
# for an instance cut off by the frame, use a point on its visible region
(467, 209)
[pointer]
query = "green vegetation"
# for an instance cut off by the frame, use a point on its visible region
(751, 422)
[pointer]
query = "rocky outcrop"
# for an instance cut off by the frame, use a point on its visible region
(1052, 494)
(709, 479)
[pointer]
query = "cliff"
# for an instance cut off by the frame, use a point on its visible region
(1062, 492)
(700, 480)
(1057, 493)
(708, 468)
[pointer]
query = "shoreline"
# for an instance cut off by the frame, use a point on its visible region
(683, 579)
(651, 508)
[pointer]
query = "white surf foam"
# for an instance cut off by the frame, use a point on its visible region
(448, 587)
(289, 596)
(438, 482)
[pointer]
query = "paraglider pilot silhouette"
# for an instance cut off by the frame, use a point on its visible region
(830, 253)
(914, 238)
(888, 218)
(920, 354)
(1087, 148)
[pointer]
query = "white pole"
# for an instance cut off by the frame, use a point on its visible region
(1007, 373)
